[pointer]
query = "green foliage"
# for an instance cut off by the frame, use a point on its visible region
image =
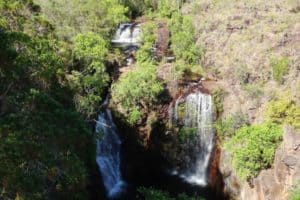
(46, 149)
(137, 90)
(218, 96)
(253, 90)
(284, 111)
(154, 194)
(183, 39)
(181, 110)
(76, 16)
(294, 194)
(135, 115)
(90, 47)
(161, 8)
(280, 67)
(183, 45)
(226, 128)
(180, 69)
(243, 73)
(186, 133)
(42, 150)
(253, 147)
(166, 8)
(90, 80)
(139, 7)
(144, 53)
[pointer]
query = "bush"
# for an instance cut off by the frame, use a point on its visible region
(218, 96)
(253, 90)
(183, 39)
(226, 128)
(73, 17)
(90, 80)
(253, 147)
(145, 52)
(137, 90)
(280, 67)
(183, 45)
(295, 193)
(243, 74)
(284, 111)
(186, 133)
(180, 68)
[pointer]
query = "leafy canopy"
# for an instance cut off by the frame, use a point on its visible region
(137, 90)
(90, 80)
(77, 16)
(284, 111)
(253, 147)
(280, 67)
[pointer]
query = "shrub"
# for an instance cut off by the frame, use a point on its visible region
(167, 7)
(90, 80)
(280, 67)
(284, 111)
(183, 39)
(73, 17)
(243, 73)
(183, 45)
(145, 53)
(186, 133)
(137, 90)
(226, 128)
(180, 68)
(218, 96)
(295, 193)
(253, 90)
(252, 148)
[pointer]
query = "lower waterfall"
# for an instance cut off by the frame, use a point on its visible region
(108, 154)
(197, 114)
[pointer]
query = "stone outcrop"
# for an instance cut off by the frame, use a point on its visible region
(271, 184)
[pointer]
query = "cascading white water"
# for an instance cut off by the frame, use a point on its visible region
(108, 154)
(127, 35)
(197, 114)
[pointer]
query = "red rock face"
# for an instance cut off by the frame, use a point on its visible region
(215, 177)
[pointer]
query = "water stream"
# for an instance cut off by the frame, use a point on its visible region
(109, 143)
(108, 154)
(197, 114)
(128, 34)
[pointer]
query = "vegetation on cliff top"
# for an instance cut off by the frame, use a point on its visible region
(137, 90)
(253, 148)
(284, 111)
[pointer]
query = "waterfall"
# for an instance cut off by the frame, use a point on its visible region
(128, 34)
(108, 154)
(198, 115)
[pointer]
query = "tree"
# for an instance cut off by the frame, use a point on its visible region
(137, 91)
(46, 149)
(90, 80)
(73, 17)
(253, 147)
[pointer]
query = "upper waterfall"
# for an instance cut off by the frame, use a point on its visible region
(197, 114)
(128, 34)
(108, 154)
